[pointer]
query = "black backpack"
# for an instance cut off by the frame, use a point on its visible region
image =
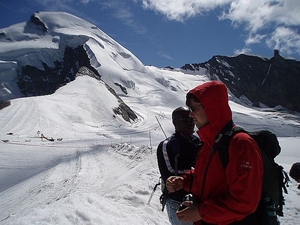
(275, 178)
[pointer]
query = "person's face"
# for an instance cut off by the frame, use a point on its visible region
(198, 114)
(185, 125)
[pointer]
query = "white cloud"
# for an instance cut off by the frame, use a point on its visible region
(258, 14)
(254, 39)
(270, 22)
(286, 40)
(181, 10)
(242, 51)
(255, 13)
(165, 55)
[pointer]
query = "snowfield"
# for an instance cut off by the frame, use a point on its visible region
(99, 169)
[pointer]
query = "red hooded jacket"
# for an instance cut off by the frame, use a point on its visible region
(225, 195)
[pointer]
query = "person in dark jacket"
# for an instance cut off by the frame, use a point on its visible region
(295, 172)
(176, 155)
(221, 195)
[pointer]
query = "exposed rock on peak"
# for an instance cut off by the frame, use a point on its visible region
(36, 21)
(34, 81)
(123, 109)
(272, 81)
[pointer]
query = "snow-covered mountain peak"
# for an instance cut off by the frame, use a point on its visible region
(41, 43)
(57, 20)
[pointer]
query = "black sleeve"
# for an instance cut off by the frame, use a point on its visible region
(166, 164)
(165, 159)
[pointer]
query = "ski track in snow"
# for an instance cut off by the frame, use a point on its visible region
(80, 179)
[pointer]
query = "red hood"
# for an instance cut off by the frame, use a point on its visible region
(214, 98)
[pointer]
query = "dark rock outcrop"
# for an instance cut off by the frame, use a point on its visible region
(123, 109)
(36, 21)
(272, 81)
(33, 81)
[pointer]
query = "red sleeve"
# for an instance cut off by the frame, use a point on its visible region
(244, 175)
(188, 179)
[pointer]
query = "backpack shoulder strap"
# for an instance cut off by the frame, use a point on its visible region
(223, 144)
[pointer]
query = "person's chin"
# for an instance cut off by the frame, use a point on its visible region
(199, 126)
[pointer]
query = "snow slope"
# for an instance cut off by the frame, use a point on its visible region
(103, 170)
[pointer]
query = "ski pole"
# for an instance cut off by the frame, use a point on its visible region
(153, 192)
(161, 127)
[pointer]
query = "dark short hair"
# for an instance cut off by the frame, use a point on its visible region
(190, 97)
(295, 171)
(180, 112)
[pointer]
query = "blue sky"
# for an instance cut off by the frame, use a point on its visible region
(175, 32)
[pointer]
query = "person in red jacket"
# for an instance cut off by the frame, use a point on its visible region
(221, 195)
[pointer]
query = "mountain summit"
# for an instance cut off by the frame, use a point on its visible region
(39, 56)
(46, 52)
